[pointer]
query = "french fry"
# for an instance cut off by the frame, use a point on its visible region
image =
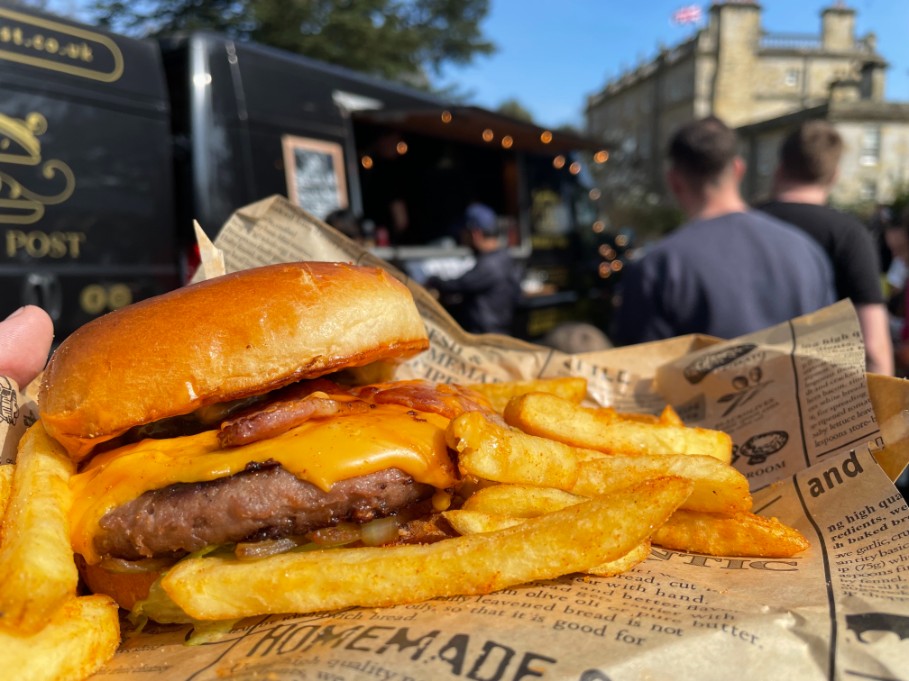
(494, 452)
(737, 534)
(718, 488)
(473, 522)
(6, 486)
(606, 431)
(628, 416)
(519, 501)
(602, 530)
(82, 634)
(670, 417)
(552, 417)
(624, 563)
(479, 522)
(740, 534)
(37, 571)
(572, 388)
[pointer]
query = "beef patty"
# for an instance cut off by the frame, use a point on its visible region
(263, 502)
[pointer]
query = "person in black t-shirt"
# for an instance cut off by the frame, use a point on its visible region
(807, 169)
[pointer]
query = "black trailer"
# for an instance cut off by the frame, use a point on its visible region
(112, 146)
(255, 121)
(86, 190)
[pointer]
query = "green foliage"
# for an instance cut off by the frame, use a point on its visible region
(650, 220)
(861, 209)
(145, 18)
(398, 39)
(512, 107)
(628, 200)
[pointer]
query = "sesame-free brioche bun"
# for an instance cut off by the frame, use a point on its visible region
(223, 339)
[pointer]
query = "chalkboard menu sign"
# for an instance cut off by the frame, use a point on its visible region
(315, 174)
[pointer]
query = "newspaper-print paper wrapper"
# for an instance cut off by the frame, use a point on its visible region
(18, 411)
(819, 453)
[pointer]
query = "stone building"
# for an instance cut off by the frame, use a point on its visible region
(760, 82)
(875, 163)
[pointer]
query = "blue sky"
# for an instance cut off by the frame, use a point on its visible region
(554, 53)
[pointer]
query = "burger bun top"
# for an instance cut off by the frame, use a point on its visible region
(220, 340)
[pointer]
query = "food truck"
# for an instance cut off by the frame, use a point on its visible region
(113, 146)
(86, 170)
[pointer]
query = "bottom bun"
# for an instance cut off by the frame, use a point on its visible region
(127, 588)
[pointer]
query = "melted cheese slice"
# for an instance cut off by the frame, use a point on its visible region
(320, 451)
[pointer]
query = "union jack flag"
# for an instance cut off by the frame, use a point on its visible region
(689, 14)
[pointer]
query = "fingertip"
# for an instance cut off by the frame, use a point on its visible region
(34, 315)
(26, 336)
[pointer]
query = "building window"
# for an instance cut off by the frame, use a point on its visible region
(792, 77)
(644, 145)
(868, 191)
(766, 159)
(871, 145)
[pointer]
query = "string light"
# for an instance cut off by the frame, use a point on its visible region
(558, 162)
(488, 135)
(366, 162)
(507, 141)
(546, 137)
(446, 116)
(401, 148)
(574, 168)
(601, 156)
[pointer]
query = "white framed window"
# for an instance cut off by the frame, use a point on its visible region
(766, 158)
(870, 154)
(868, 190)
(314, 172)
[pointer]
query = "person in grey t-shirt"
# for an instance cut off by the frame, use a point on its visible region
(729, 270)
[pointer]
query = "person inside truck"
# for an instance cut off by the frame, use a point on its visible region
(25, 342)
(488, 293)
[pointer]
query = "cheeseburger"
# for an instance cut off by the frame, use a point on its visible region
(233, 414)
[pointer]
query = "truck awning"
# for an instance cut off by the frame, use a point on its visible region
(474, 125)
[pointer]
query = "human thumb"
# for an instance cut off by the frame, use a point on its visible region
(25, 341)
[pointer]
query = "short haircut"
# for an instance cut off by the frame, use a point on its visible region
(703, 149)
(811, 153)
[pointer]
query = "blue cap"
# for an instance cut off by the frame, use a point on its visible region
(483, 218)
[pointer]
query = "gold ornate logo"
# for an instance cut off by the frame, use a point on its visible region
(56, 46)
(20, 146)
